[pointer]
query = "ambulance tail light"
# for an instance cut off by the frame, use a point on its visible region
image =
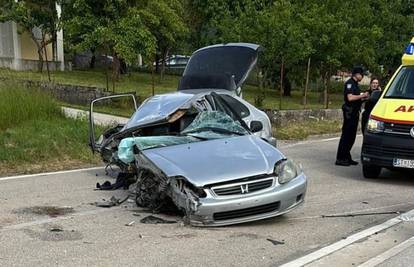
(375, 126)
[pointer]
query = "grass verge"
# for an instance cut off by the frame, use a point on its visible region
(303, 130)
(35, 136)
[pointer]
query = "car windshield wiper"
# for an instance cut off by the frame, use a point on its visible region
(214, 129)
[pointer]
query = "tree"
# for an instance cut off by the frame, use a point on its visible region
(31, 15)
(113, 27)
(165, 20)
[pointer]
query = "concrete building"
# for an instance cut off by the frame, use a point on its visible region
(19, 52)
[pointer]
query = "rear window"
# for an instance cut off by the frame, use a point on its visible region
(402, 87)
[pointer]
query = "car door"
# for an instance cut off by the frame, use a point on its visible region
(94, 142)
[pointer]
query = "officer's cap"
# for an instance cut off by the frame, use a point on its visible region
(357, 70)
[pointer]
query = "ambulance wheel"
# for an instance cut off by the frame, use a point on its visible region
(371, 171)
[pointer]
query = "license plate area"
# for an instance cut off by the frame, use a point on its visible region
(403, 163)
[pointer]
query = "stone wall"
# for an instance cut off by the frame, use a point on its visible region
(73, 94)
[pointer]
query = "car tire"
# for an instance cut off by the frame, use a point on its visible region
(371, 171)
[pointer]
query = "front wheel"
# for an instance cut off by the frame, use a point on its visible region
(371, 171)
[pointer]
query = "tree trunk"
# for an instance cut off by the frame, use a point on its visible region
(325, 91)
(47, 62)
(164, 56)
(282, 69)
(115, 70)
(157, 61)
(305, 91)
(153, 78)
(93, 59)
(40, 63)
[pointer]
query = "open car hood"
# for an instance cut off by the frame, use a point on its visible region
(222, 66)
(216, 161)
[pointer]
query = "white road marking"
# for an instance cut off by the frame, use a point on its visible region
(314, 141)
(389, 253)
(50, 220)
(347, 241)
(47, 173)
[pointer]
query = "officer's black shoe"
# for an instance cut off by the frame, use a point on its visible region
(341, 162)
(353, 162)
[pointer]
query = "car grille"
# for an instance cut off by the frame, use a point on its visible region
(387, 151)
(234, 214)
(243, 188)
(400, 129)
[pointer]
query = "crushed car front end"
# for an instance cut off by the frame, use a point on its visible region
(228, 181)
(265, 198)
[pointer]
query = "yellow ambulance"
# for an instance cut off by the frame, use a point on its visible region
(389, 137)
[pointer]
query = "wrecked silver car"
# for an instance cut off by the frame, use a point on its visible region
(205, 150)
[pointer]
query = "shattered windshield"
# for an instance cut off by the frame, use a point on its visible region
(206, 126)
(214, 124)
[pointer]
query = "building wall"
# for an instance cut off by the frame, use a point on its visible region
(6, 40)
(29, 48)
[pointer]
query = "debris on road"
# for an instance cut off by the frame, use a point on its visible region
(111, 202)
(56, 229)
(275, 242)
(360, 214)
(155, 220)
(123, 180)
(130, 224)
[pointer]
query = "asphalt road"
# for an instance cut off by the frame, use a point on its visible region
(100, 236)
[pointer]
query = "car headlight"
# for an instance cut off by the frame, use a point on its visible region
(375, 126)
(286, 170)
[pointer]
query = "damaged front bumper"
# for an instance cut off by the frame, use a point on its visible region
(274, 201)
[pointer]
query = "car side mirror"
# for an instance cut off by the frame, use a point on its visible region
(256, 126)
(375, 96)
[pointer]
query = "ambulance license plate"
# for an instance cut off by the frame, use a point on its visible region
(404, 163)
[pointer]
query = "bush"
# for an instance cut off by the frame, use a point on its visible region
(19, 104)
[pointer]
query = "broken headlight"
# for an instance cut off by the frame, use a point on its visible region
(183, 183)
(286, 170)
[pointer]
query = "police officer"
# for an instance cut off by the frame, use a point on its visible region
(350, 109)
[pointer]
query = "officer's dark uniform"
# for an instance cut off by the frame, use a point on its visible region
(350, 111)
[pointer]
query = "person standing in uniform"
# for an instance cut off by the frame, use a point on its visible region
(374, 85)
(350, 109)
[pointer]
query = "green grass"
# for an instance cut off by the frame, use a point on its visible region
(35, 136)
(141, 83)
(303, 130)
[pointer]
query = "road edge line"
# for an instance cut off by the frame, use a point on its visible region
(327, 250)
(5, 178)
(389, 253)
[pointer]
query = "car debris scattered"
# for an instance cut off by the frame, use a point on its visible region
(113, 201)
(275, 242)
(361, 214)
(156, 220)
(130, 224)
